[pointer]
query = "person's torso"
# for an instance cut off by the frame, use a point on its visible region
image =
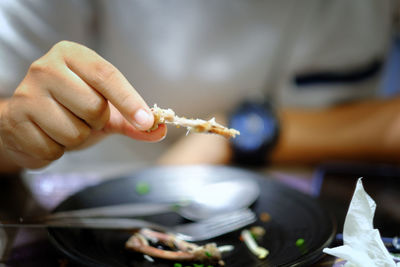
(201, 57)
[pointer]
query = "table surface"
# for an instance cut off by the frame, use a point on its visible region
(31, 247)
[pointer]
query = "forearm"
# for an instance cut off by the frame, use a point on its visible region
(199, 149)
(6, 164)
(366, 131)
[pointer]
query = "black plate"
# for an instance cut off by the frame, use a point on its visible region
(293, 215)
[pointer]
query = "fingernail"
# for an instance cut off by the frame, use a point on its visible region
(142, 119)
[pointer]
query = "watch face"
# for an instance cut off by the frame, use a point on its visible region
(257, 125)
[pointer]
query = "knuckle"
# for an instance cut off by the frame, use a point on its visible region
(39, 66)
(77, 137)
(50, 62)
(104, 73)
(95, 108)
(62, 45)
(127, 99)
(45, 70)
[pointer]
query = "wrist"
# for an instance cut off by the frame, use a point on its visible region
(6, 164)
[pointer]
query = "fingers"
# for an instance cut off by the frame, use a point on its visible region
(153, 136)
(109, 82)
(59, 123)
(67, 98)
(21, 136)
(80, 99)
(86, 84)
(118, 124)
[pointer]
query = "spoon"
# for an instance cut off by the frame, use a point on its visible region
(209, 200)
(217, 198)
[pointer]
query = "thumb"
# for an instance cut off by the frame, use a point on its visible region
(120, 125)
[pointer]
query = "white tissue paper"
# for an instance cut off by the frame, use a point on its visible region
(362, 245)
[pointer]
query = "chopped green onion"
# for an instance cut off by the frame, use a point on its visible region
(208, 254)
(142, 188)
(253, 235)
(299, 242)
(177, 265)
(198, 265)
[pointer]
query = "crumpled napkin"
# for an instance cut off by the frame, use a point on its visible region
(362, 245)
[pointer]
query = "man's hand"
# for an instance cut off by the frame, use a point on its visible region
(70, 98)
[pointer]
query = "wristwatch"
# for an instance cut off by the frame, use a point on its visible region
(259, 131)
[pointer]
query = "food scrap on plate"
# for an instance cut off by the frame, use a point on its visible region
(193, 125)
(249, 238)
(145, 241)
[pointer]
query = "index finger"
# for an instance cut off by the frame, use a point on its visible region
(109, 82)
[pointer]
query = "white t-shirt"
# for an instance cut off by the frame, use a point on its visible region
(201, 57)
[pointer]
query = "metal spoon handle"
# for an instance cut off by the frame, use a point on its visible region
(91, 223)
(120, 210)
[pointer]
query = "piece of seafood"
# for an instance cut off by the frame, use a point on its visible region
(144, 239)
(193, 125)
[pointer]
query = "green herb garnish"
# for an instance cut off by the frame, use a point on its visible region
(299, 242)
(142, 188)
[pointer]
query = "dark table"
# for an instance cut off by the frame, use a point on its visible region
(31, 247)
